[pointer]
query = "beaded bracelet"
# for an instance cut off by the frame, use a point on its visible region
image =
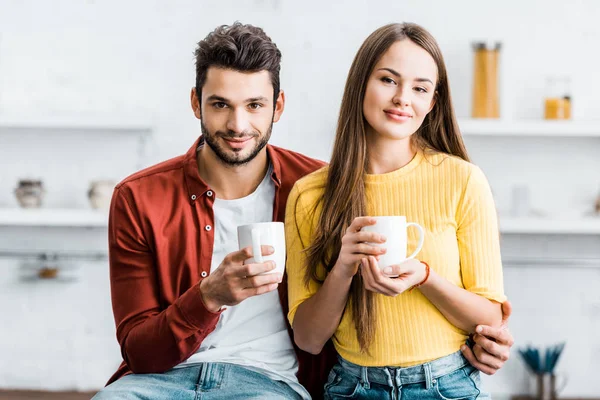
(426, 276)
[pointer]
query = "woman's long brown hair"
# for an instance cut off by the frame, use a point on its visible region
(344, 196)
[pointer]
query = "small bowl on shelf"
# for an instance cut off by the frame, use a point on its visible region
(47, 272)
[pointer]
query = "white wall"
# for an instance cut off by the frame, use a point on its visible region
(136, 57)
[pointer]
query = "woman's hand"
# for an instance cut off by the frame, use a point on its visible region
(406, 275)
(357, 245)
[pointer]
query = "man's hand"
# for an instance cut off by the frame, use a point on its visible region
(492, 345)
(233, 282)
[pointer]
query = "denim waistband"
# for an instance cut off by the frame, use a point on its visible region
(404, 376)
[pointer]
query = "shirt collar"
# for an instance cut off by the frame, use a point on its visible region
(196, 187)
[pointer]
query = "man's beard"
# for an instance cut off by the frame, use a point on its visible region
(234, 159)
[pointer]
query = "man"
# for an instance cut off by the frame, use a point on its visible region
(191, 317)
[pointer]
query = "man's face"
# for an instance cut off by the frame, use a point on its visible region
(236, 113)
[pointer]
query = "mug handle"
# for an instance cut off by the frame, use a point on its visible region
(256, 250)
(421, 238)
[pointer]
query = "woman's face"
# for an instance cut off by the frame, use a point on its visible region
(400, 91)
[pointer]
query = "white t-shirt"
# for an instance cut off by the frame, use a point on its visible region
(253, 333)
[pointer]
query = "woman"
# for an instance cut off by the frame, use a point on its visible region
(398, 151)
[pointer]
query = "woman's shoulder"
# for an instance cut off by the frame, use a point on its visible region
(307, 192)
(314, 181)
(450, 164)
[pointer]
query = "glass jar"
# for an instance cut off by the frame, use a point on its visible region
(557, 103)
(485, 80)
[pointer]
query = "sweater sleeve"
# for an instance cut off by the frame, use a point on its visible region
(298, 234)
(152, 338)
(478, 239)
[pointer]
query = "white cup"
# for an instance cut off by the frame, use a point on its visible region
(264, 234)
(394, 228)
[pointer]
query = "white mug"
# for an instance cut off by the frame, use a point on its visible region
(264, 234)
(394, 228)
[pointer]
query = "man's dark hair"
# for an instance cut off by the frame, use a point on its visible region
(238, 47)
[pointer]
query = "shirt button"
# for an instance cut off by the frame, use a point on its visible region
(433, 381)
(193, 197)
(208, 227)
(209, 193)
(203, 274)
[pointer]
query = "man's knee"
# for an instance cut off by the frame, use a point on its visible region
(122, 389)
(108, 394)
(173, 384)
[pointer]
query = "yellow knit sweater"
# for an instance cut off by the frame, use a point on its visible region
(451, 199)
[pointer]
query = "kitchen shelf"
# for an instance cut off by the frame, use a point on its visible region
(546, 262)
(531, 128)
(53, 255)
(80, 124)
(576, 226)
(139, 128)
(53, 217)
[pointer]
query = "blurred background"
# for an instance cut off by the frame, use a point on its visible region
(91, 91)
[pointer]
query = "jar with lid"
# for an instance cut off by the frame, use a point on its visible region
(485, 80)
(557, 104)
(30, 193)
(100, 194)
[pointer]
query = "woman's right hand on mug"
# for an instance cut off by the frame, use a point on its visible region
(357, 245)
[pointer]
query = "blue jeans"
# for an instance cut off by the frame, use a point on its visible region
(206, 381)
(450, 377)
